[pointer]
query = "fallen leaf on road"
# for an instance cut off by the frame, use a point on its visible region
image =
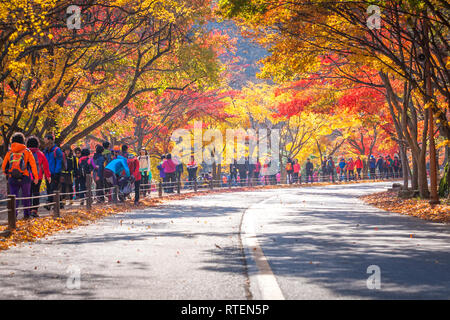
(217, 246)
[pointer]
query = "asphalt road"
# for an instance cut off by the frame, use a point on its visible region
(312, 243)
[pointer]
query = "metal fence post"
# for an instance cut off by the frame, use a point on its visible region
(89, 192)
(211, 184)
(179, 186)
(12, 212)
(115, 194)
(160, 189)
(56, 208)
(195, 184)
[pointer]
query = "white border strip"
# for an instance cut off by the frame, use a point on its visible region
(262, 274)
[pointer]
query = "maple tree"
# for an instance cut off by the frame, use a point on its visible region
(70, 82)
(301, 35)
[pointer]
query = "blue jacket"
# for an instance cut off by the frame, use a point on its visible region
(162, 174)
(372, 163)
(99, 160)
(118, 165)
(54, 163)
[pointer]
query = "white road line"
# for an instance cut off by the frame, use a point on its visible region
(264, 277)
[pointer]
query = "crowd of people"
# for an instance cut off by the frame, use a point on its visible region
(115, 172)
(28, 164)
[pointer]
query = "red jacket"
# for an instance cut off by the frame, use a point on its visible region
(350, 165)
(42, 164)
(133, 164)
(359, 164)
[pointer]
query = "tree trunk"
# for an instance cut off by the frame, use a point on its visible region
(415, 175)
(422, 176)
(405, 165)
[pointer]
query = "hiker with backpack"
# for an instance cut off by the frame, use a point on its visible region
(68, 173)
(42, 169)
(16, 166)
(55, 160)
(289, 171)
(85, 167)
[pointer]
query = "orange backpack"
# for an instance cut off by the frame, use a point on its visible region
(16, 166)
(288, 166)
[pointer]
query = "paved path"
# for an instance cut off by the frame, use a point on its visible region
(317, 243)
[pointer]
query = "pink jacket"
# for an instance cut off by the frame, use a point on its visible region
(169, 166)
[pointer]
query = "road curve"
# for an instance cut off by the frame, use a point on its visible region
(313, 243)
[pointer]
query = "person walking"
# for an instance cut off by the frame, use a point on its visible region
(372, 167)
(396, 166)
(309, 167)
(16, 166)
(99, 179)
(56, 164)
(42, 170)
(325, 175)
(145, 171)
(169, 167)
(331, 168)
(289, 171)
(113, 171)
(233, 172)
(296, 171)
(68, 173)
(359, 166)
(192, 171)
(77, 152)
(107, 154)
(380, 166)
(351, 169)
(162, 174)
(133, 165)
(389, 167)
(342, 166)
(86, 166)
(256, 172)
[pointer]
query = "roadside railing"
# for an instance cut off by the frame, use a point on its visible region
(111, 194)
